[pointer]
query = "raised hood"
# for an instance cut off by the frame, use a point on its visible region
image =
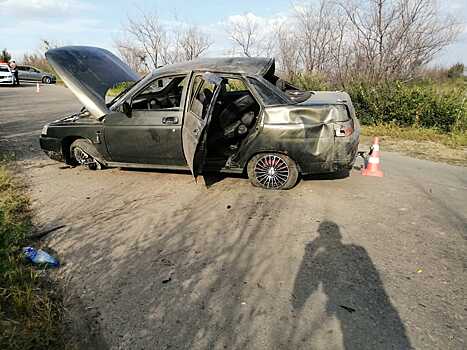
(89, 72)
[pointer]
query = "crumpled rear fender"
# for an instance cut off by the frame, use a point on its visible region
(307, 135)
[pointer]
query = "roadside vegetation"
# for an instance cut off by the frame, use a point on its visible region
(425, 109)
(379, 51)
(30, 306)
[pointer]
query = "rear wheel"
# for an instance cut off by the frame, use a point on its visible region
(46, 80)
(273, 171)
(82, 152)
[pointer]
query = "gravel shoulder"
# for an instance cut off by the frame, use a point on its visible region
(157, 261)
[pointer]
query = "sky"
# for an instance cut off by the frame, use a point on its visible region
(99, 22)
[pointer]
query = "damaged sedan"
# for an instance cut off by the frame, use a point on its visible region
(230, 115)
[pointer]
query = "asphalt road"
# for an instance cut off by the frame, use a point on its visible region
(153, 260)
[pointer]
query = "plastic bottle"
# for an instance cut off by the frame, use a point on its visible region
(39, 257)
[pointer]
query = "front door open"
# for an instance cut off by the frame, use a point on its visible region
(203, 93)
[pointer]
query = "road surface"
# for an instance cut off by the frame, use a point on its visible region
(153, 260)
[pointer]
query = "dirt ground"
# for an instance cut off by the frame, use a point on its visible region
(153, 260)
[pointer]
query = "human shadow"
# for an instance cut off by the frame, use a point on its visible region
(354, 290)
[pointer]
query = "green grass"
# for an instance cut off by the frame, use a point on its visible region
(114, 91)
(454, 140)
(422, 143)
(30, 306)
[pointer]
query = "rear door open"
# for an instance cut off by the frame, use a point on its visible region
(202, 95)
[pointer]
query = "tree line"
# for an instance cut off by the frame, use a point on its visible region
(345, 40)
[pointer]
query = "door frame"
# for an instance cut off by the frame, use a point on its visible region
(195, 153)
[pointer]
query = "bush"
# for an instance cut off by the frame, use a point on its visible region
(456, 71)
(310, 82)
(415, 105)
(118, 88)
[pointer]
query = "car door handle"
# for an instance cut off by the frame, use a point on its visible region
(169, 120)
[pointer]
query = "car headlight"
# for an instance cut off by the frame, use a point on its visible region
(44, 129)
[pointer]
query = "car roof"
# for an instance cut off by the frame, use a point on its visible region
(244, 65)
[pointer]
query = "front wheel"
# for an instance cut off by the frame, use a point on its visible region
(273, 171)
(46, 80)
(82, 153)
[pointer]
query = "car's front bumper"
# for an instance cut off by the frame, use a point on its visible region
(52, 147)
(6, 80)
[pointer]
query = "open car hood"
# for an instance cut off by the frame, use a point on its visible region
(89, 72)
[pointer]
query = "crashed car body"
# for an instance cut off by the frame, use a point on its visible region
(210, 114)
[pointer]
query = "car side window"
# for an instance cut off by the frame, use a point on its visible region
(163, 93)
(201, 96)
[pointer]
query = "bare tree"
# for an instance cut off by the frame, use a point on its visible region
(150, 36)
(37, 58)
(288, 51)
(392, 38)
(246, 32)
(151, 44)
(193, 42)
(315, 28)
(47, 44)
(133, 55)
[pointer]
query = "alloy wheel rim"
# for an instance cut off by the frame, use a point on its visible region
(271, 171)
(81, 156)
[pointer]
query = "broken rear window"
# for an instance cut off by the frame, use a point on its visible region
(270, 94)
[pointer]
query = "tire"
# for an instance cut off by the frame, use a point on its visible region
(272, 171)
(46, 80)
(83, 152)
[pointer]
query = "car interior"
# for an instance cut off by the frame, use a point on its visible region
(233, 118)
(161, 94)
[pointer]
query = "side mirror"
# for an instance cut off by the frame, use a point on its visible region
(126, 109)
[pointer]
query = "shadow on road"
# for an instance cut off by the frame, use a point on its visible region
(169, 283)
(354, 291)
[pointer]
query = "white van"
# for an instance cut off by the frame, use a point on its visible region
(6, 77)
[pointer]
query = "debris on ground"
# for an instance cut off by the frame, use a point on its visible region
(40, 257)
(41, 234)
(167, 280)
(348, 308)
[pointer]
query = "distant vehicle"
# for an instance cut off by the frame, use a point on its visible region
(28, 73)
(210, 114)
(6, 77)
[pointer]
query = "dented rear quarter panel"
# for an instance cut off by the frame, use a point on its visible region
(306, 133)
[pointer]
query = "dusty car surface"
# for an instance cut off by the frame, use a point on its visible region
(212, 114)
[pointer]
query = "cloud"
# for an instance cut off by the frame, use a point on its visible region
(43, 9)
(265, 23)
